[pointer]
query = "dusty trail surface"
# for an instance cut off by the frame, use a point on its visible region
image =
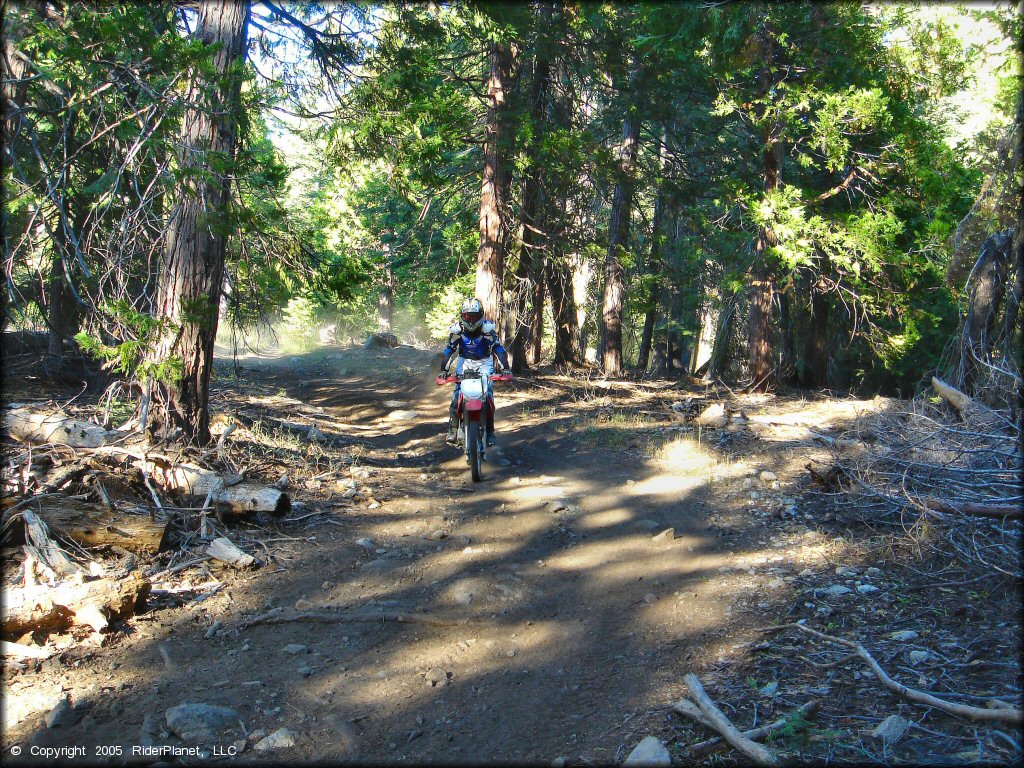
(550, 614)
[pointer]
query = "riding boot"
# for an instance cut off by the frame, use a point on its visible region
(490, 425)
(453, 424)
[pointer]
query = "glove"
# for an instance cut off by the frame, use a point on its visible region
(443, 374)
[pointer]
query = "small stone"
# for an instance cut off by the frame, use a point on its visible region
(510, 654)
(835, 590)
(555, 506)
(239, 745)
(305, 671)
(748, 484)
(436, 677)
(558, 762)
(918, 657)
(199, 722)
(767, 477)
(294, 649)
(846, 571)
(891, 729)
(650, 597)
(283, 482)
(873, 572)
(256, 735)
(650, 751)
(60, 715)
(754, 495)
(327, 585)
(366, 543)
(866, 589)
(668, 535)
(212, 630)
(904, 635)
(279, 739)
(437, 535)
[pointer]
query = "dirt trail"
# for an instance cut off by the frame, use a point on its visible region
(579, 621)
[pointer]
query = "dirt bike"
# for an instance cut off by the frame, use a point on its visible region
(472, 412)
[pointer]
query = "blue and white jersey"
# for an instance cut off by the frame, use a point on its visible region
(478, 347)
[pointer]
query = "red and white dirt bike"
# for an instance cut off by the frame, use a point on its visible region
(472, 408)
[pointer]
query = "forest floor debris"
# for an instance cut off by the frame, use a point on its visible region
(516, 603)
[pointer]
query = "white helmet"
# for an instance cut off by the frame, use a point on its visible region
(472, 314)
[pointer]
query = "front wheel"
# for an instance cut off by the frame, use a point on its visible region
(474, 451)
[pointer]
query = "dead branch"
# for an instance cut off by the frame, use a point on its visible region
(45, 549)
(702, 748)
(1003, 714)
(714, 718)
(977, 509)
(226, 551)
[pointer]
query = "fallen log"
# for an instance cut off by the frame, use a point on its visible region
(19, 651)
(91, 525)
(230, 494)
(714, 718)
(32, 427)
(51, 609)
(974, 508)
(251, 497)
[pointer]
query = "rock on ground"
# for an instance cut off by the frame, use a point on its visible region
(649, 751)
(279, 739)
(891, 729)
(193, 721)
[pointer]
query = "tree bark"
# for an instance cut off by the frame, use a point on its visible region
(386, 301)
(762, 284)
(563, 307)
(654, 291)
(530, 273)
(986, 290)
(490, 259)
(618, 240)
(95, 603)
(94, 526)
(815, 368)
(192, 274)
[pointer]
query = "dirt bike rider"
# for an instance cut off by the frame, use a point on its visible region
(473, 338)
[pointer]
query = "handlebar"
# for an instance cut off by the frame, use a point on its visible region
(442, 380)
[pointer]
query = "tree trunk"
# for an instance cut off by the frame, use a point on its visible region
(815, 368)
(654, 291)
(530, 273)
(386, 301)
(490, 259)
(618, 240)
(720, 352)
(563, 307)
(762, 284)
(192, 275)
(786, 310)
(986, 289)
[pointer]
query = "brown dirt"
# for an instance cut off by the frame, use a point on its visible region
(579, 625)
